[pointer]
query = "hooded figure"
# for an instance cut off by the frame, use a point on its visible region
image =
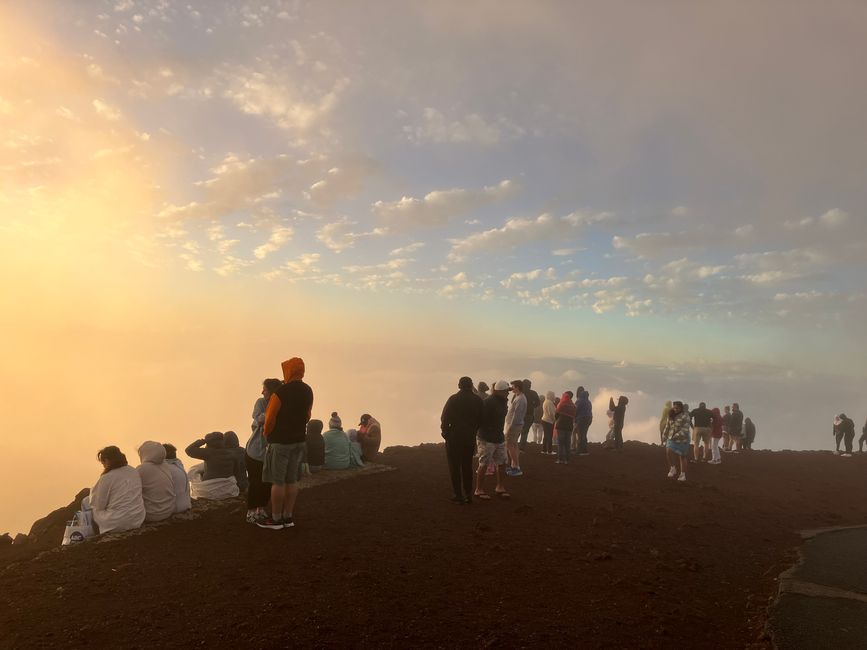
(370, 436)
(338, 454)
(179, 478)
(157, 484)
(315, 445)
(220, 462)
(288, 425)
(231, 442)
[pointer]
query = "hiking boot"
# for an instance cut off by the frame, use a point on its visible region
(268, 522)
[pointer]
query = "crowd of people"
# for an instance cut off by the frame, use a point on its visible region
(284, 443)
(844, 431)
(486, 422)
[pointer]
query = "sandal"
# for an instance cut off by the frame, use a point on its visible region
(484, 496)
(503, 495)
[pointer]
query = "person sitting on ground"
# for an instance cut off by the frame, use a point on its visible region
(338, 448)
(564, 424)
(716, 432)
(749, 433)
(369, 437)
(231, 442)
(352, 434)
(179, 478)
(115, 503)
(219, 461)
(157, 484)
(844, 431)
(677, 441)
(315, 446)
(258, 491)
(549, 415)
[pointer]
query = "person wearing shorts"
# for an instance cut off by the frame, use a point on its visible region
(513, 426)
(702, 418)
(677, 441)
(285, 429)
(492, 440)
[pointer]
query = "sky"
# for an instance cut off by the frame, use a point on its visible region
(666, 200)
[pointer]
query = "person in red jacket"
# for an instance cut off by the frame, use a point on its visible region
(716, 433)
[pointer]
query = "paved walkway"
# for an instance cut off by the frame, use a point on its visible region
(823, 599)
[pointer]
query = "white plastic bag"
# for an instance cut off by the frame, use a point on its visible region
(213, 489)
(79, 529)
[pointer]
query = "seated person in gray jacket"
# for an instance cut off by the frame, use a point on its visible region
(220, 461)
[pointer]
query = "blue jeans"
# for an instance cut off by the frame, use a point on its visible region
(564, 440)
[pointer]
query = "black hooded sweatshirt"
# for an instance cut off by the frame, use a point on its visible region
(462, 416)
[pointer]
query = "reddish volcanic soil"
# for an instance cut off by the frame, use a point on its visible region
(605, 552)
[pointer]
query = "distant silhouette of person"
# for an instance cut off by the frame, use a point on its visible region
(315, 446)
(701, 418)
(663, 421)
(549, 414)
(482, 390)
(749, 433)
(220, 462)
(716, 433)
(844, 431)
(532, 402)
(677, 436)
(459, 423)
(583, 420)
(619, 418)
(736, 427)
(863, 438)
(727, 439)
(564, 424)
(231, 442)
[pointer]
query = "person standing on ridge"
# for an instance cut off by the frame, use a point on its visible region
(549, 414)
(726, 418)
(863, 438)
(736, 427)
(285, 429)
(492, 441)
(482, 390)
(583, 419)
(844, 431)
(749, 433)
(532, 402)
(564, 425)
(460, 421)
(702, 421)
(619, 418)
(663, 421)
(716, 432)
(513, 426)
(677, 441)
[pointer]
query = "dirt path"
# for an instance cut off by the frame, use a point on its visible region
(605, 552)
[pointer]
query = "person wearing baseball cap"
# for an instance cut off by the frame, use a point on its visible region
(492, 440)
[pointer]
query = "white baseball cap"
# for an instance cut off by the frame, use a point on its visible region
(501, 385)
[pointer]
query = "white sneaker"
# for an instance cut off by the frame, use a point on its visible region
(672, 472)
(682, 477)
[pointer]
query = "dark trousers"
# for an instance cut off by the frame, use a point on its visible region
(258, 493)
(460, 457)
(582, 426)
(525, 430)
(564, 442)
(547, 437)
(847, 440)
(618, 436)
(861, 441)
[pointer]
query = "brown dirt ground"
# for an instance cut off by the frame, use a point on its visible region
(605, 553)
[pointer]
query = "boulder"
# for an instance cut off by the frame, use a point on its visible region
(20, 539)
(48, 531)
(5, 539)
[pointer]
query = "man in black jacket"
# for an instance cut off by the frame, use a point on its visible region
(844, 431)
(461, 419)
(701, 421)
(532, 404)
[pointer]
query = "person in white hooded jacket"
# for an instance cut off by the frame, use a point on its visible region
(115, 502)
(157, 484)
(179, 477)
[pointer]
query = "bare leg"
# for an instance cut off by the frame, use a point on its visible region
(289, 502)
(278, 493)
(480, 479)
(501, 473)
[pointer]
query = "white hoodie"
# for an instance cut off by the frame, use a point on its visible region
(182, 484)
(157, 484)
(517, 411)
(116, 500)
